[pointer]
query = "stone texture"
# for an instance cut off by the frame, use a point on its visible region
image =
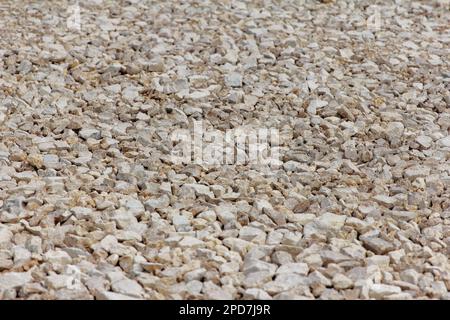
(95, 205)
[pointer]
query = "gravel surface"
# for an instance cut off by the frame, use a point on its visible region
(93, 205)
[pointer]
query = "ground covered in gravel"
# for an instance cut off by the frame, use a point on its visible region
(93, 207)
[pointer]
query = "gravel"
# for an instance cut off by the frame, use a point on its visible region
(93, 204)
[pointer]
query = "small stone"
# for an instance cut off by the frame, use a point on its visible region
(133, 206)
(399, 296)
(58, 281)
(87, 133)
(285, 282)
(201, 190)
(6, 261)
(410, 275)
(57, 257)
(229, 268)
(226, 213)
(403, 215)
(156, 65)
(25, 67)
(327, 222)
(445, 142)
(199, 95)
(233, 79)
(5, 237)
(385, 201)
(157, 203)
(107, 295)
(191, 242)
(314, 105)
(424, 141)
(341, 282)
(317, 277)
(378, 260)
(250, 233)
(36, 160)
(294, 267)
(345, 113)
(181, 223)
(128, 287)
(214, 292)
(377, 245)
(395, 131)
(380, 291)
(416, 172)
(437, 290)
(21, 256)
(397, 255)
(256, 294)
(82, 213)
(51, 161)
(111, 245)
(14, 280)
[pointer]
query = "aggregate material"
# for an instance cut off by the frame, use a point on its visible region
(92, 207)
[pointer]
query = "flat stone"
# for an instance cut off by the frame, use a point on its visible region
(424, 141)
(128, 287)
(403, 215)
(191, 242)
(14, 280)
(233, 79)
(385, 201)
(87, 133)
(57, 256)
(378, 245)
(158, 203)
(416, 172)
(380, 291)
(294, 267)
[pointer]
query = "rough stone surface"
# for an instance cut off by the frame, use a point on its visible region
(93, 204)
